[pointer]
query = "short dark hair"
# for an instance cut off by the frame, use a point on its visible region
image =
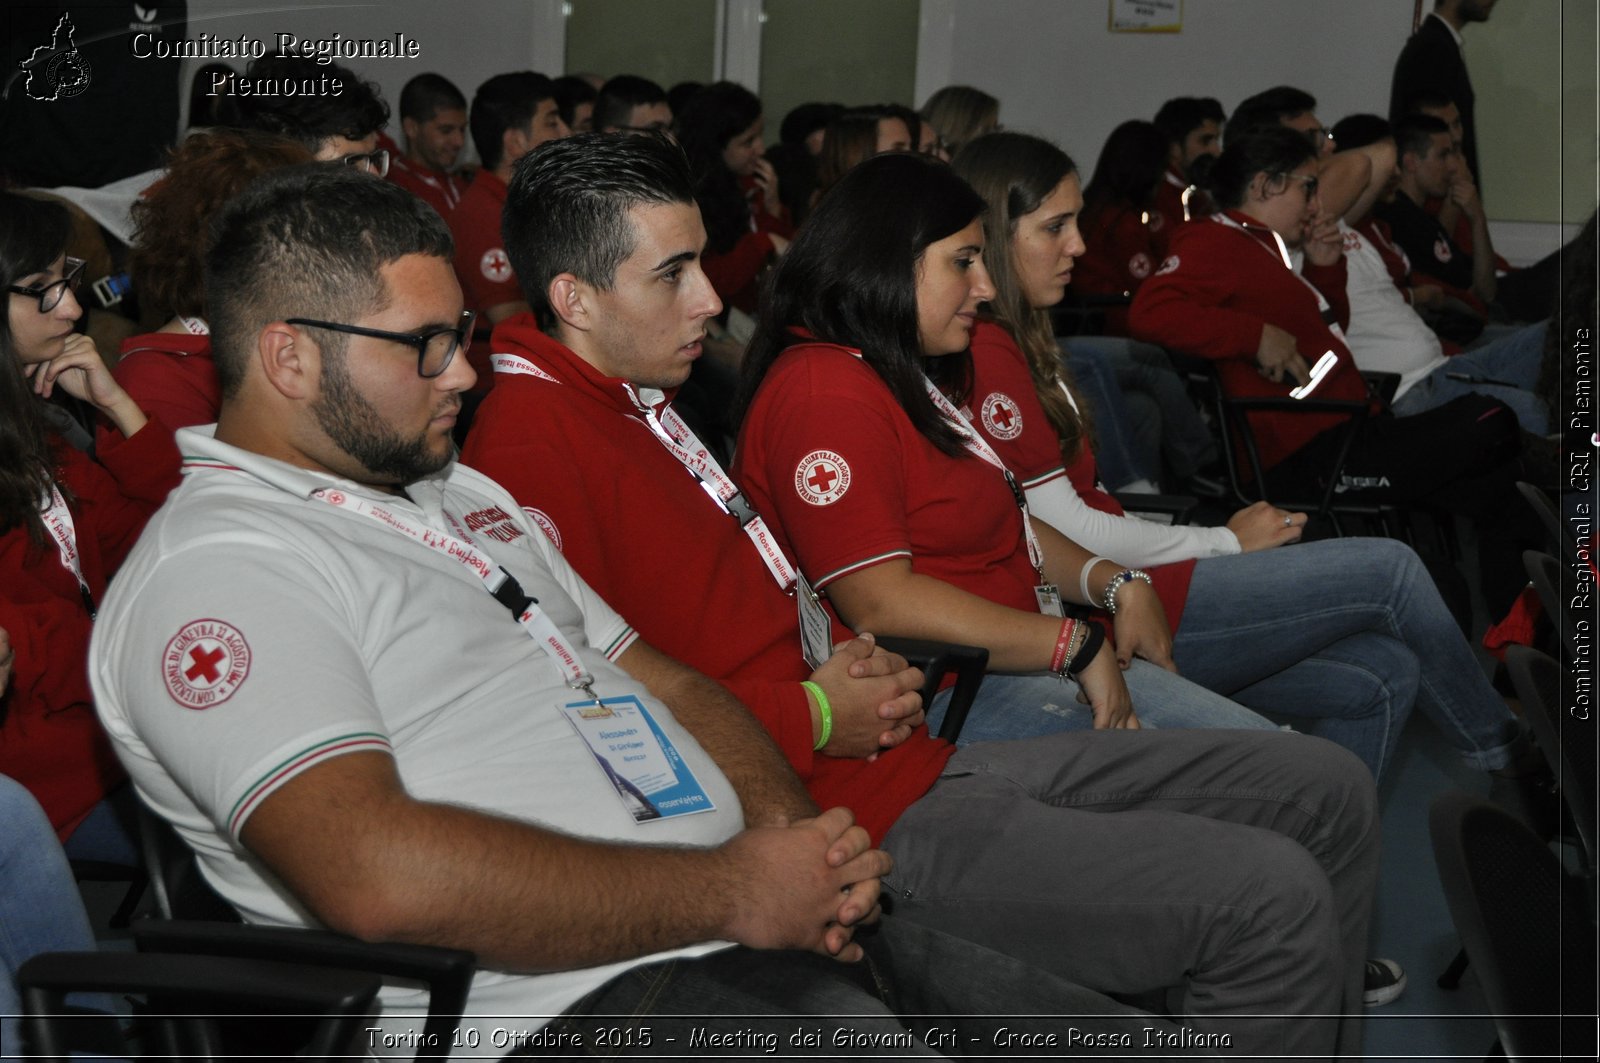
(505, 101)
(1269, 108)
(850, 278)
(427, 94)
(1428, 99)
(619, 96)
(355, 113)
(1360, 130)
(1414, 133)
(568, 203)
(1182, 115)
(571, 93)
(307, 241)
(1265, 149)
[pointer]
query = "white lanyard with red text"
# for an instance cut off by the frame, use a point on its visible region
(1326, 309)
(670, 430)
(501, 585)
(58, 518)
(1048, 595)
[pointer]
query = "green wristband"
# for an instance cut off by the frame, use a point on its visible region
(826, 711)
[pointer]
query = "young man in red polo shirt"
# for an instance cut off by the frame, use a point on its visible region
(1051, 849)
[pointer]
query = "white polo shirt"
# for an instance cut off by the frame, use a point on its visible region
(256, 631)
(1385, 333)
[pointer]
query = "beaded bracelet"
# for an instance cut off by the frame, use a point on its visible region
(1109, 599)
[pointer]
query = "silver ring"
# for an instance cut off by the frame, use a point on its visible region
(1288, 522)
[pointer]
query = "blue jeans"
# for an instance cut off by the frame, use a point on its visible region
(1344, 635)
(1115, 450)
(960, 994)
(1014, 705)
(40, 909)
(1166, 425)
(1514, 358)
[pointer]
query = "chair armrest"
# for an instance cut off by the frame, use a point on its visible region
(183, 983)
(446, 972)
(937, 659)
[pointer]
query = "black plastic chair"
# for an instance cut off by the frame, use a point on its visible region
(1544, 572)
(1568, 745)
(183, 997)
(938, 659)
(1525, 924)
(1247, 480)
(198, 921)
(1562, 539)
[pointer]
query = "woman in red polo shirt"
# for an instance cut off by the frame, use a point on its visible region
(851, 449)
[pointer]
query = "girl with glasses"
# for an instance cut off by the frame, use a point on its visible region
(66, 521)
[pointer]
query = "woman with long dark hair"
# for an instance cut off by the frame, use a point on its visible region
(1345, 633)
(66, 522)
(853, 449)
(721, 130)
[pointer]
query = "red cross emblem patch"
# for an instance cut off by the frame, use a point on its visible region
(1441, 250)
(495, 265)
(822, 478)
(1002, 417)
(204, 663)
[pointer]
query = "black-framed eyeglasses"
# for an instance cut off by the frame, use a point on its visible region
(1309, 180)
(373, 162)
(49, 295)
(436, 347)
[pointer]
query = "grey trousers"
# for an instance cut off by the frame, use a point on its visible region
(1234, 868)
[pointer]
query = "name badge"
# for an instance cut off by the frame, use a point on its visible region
(816, 629)
(641, 763)
(1048, 595)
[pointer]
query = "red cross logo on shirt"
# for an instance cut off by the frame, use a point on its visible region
(822, 478)
(495, 265)
(1002, 417)
(205, 664)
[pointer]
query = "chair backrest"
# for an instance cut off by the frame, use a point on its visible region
(199, 921)
(1562, 539)
(1524, 924)
(1568, 744)
(1544, 572)
(180, 889)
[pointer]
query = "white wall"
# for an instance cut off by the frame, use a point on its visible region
(1061, 74)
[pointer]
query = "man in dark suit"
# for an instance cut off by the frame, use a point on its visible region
(1432, 60)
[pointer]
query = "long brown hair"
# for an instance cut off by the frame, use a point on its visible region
(1015, 174)
(33, 234)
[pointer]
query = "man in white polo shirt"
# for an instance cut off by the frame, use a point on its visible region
(371, 696)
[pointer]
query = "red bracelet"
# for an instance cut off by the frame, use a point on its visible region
(1058, 659)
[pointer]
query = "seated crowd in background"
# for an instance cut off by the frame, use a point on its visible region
(865, 307)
